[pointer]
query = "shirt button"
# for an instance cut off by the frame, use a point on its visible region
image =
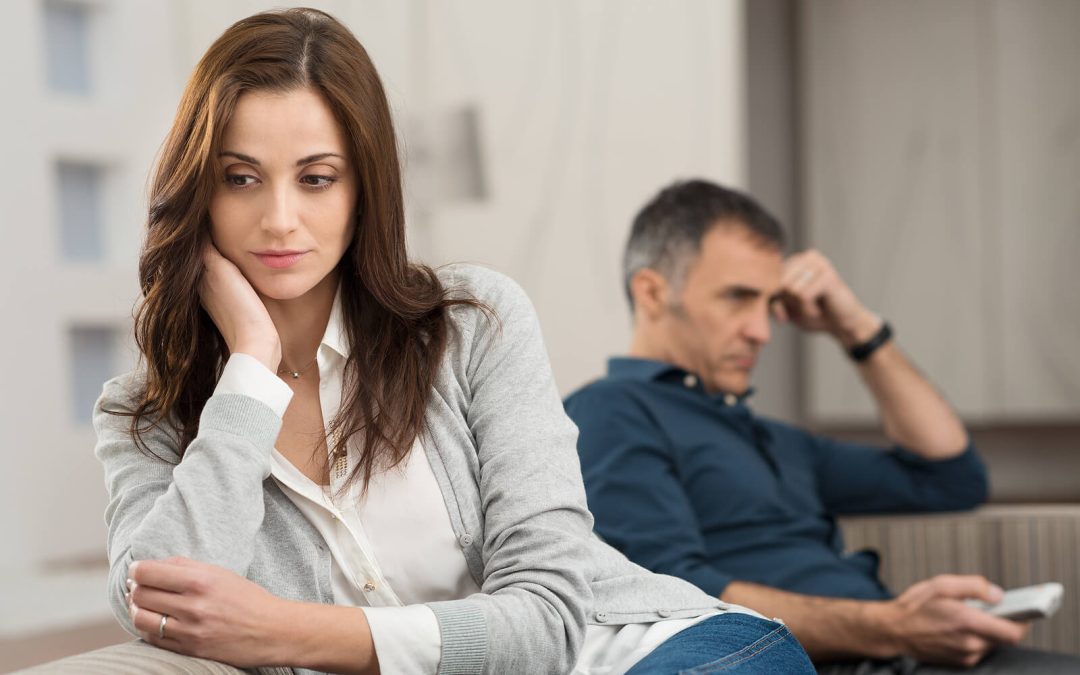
(369, 587)
(601, 617)
(690, 381)
(663, 613)
(465, 540)
(731, 399)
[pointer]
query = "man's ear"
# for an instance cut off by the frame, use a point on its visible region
(650, 291)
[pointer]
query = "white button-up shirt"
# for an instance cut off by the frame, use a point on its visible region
(393, 548)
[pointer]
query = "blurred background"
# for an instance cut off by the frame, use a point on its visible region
(930, 148)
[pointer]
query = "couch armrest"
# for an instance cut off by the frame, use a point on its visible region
(140, 658)
(1011, 545)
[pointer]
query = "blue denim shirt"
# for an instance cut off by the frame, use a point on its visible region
(694, 485)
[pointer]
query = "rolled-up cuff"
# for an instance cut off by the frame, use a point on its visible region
(407, 639)
(246, 375)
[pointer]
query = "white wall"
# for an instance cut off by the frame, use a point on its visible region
(586, 109)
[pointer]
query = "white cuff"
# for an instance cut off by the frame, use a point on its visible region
(407, 639)
(245, 374)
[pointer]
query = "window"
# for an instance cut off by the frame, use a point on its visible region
(79, 206)
(94, 359)
(67, 46)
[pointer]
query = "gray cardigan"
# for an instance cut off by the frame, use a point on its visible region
(503, 453)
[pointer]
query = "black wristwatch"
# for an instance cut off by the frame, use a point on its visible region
(862, 351)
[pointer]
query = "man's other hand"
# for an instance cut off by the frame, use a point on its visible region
(931, 622)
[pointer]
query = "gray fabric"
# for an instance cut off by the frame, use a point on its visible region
(1002, 661)
(503, 453)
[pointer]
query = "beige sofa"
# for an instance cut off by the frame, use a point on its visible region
(140, 658)
(1012, 545)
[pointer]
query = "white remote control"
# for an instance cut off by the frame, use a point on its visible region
(1024, 604)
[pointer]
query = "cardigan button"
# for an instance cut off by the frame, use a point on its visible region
(601, 617)
(465, 540)
(731, 399)
(690, 381)
(663, 613)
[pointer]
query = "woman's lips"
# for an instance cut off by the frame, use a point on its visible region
(280, 261)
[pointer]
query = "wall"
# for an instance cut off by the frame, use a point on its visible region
(1028, 460)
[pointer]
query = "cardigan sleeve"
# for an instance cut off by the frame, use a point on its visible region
(206, 506)
(531, 613)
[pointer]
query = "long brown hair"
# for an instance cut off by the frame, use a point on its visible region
(394, 311)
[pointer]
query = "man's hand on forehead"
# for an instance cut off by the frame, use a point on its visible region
(815, 297)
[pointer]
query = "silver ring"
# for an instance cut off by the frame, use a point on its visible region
(161, 626)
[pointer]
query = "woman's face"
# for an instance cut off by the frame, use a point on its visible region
(284, 212)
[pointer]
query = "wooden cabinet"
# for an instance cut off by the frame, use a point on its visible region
(941, 173)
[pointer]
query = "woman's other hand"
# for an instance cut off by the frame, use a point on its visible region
(237, 310)
(211, 612)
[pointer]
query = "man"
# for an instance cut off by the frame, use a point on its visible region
(686, 480)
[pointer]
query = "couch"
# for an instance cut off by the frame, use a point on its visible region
(1012, 545)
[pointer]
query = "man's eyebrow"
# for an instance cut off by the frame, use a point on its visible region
(738, 290)
(744, 291)
(300, 162)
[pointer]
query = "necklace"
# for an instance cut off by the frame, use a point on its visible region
(297, 373)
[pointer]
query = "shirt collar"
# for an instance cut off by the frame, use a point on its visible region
(648, 370)
(335, 336)
(639, 369)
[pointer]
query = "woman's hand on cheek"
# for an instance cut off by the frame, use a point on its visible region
(212, 613)
(237, 310)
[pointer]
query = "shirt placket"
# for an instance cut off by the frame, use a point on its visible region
(357, 562)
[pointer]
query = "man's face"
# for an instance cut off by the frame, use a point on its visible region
(717, 323)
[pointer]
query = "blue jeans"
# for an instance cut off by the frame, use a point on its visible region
(733, 644)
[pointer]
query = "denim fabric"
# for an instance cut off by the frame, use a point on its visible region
(734, 644)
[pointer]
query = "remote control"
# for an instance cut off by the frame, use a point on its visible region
(1024, 604)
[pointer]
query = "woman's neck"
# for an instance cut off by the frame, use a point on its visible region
(301, 322)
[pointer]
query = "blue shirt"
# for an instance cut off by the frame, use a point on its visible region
(695, 485)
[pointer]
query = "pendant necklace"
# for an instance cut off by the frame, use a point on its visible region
(297, 373)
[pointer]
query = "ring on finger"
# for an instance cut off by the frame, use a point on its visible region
(161, 626)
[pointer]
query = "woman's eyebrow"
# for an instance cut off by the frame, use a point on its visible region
(243, 158)
(316, 157)
(300, 162)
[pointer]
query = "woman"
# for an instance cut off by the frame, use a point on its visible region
(333, 459)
